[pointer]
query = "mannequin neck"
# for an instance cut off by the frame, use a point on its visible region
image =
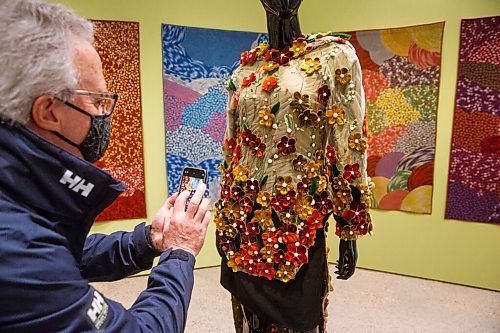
(282, 31)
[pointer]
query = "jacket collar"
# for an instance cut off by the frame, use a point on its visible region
(52, 181)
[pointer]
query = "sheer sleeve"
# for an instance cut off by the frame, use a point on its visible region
(347, 145)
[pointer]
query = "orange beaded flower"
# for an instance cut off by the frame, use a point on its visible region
(342, 75)
(266, 118)
(270, 66)
(283, 184)
(358, 143)
(269, 84)
(264, 198)
(240, 173)
(335, 115)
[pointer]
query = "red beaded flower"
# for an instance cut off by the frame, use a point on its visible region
(286, 145)
(356, 213)
(323, 94)
(236, 154)
(297, 255)
(304, 185)
(307, 235)
(287, 233)
(230, 144)
(252, 188)
(248, 80)
(237, 193)
(246, 204)
(315, 221)
(269, 239)
(322, 203)
(266, 270)
(331, 155)
(247, 137)
(252, 230)
(351, 172)
(257, 147)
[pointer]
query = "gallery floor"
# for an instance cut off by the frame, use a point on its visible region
(368, 302)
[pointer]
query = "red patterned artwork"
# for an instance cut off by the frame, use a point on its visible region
(474, 177)
(118, 45)
(401, 70)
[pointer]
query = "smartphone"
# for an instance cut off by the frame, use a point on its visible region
(190, 179)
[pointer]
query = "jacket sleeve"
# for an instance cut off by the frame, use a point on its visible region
(42, 290)
(347, 140)
(162, 307)
(115, 256)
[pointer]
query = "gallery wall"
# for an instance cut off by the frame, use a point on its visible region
(411, 244)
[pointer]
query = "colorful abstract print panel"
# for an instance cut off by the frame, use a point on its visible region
(196, 65)
(474, 175)
(401, 69)
(118, 45)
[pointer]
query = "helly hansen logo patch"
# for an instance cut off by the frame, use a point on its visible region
(76, 183)
(98, 311)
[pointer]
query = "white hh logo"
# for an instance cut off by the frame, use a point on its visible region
(76, 183)
(98, 310)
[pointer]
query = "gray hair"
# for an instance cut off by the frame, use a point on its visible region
(36, 57)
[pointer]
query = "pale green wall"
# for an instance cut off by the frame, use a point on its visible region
(419, 245)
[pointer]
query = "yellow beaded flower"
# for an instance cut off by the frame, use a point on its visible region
(335, 115)
(262, 48)
(220, 223)
(264, 198)
(322, 183)
(298, 48)
(266, 118)
(240, 173)
(358, 143)
(283, 184)
(310, 65)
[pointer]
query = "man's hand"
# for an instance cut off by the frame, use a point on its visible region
(178, 229)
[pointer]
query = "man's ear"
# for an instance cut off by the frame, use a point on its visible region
(43, 115)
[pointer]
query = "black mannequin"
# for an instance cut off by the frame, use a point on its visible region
(283, 28)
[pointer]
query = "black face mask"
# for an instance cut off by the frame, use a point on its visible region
(96, 142)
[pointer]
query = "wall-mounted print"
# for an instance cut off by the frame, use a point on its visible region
(196, 66)
(474, 175)
(118, 45)
(401, 70)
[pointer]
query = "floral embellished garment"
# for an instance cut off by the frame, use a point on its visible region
(295, 152)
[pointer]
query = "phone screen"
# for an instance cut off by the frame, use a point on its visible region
(190, 179)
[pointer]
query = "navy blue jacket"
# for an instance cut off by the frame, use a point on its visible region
(48, 202)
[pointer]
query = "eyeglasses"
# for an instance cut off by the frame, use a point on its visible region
(105, 102)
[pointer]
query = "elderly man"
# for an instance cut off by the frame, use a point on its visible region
(55, 116)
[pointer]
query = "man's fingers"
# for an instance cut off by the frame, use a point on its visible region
(180, 203)
(200, 214)
(171, 200)
(195, 200)
(206, 220)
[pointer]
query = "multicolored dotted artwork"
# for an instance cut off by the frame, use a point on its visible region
(118, 45)
(474, 176)
(196, 64)
(401, 70)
